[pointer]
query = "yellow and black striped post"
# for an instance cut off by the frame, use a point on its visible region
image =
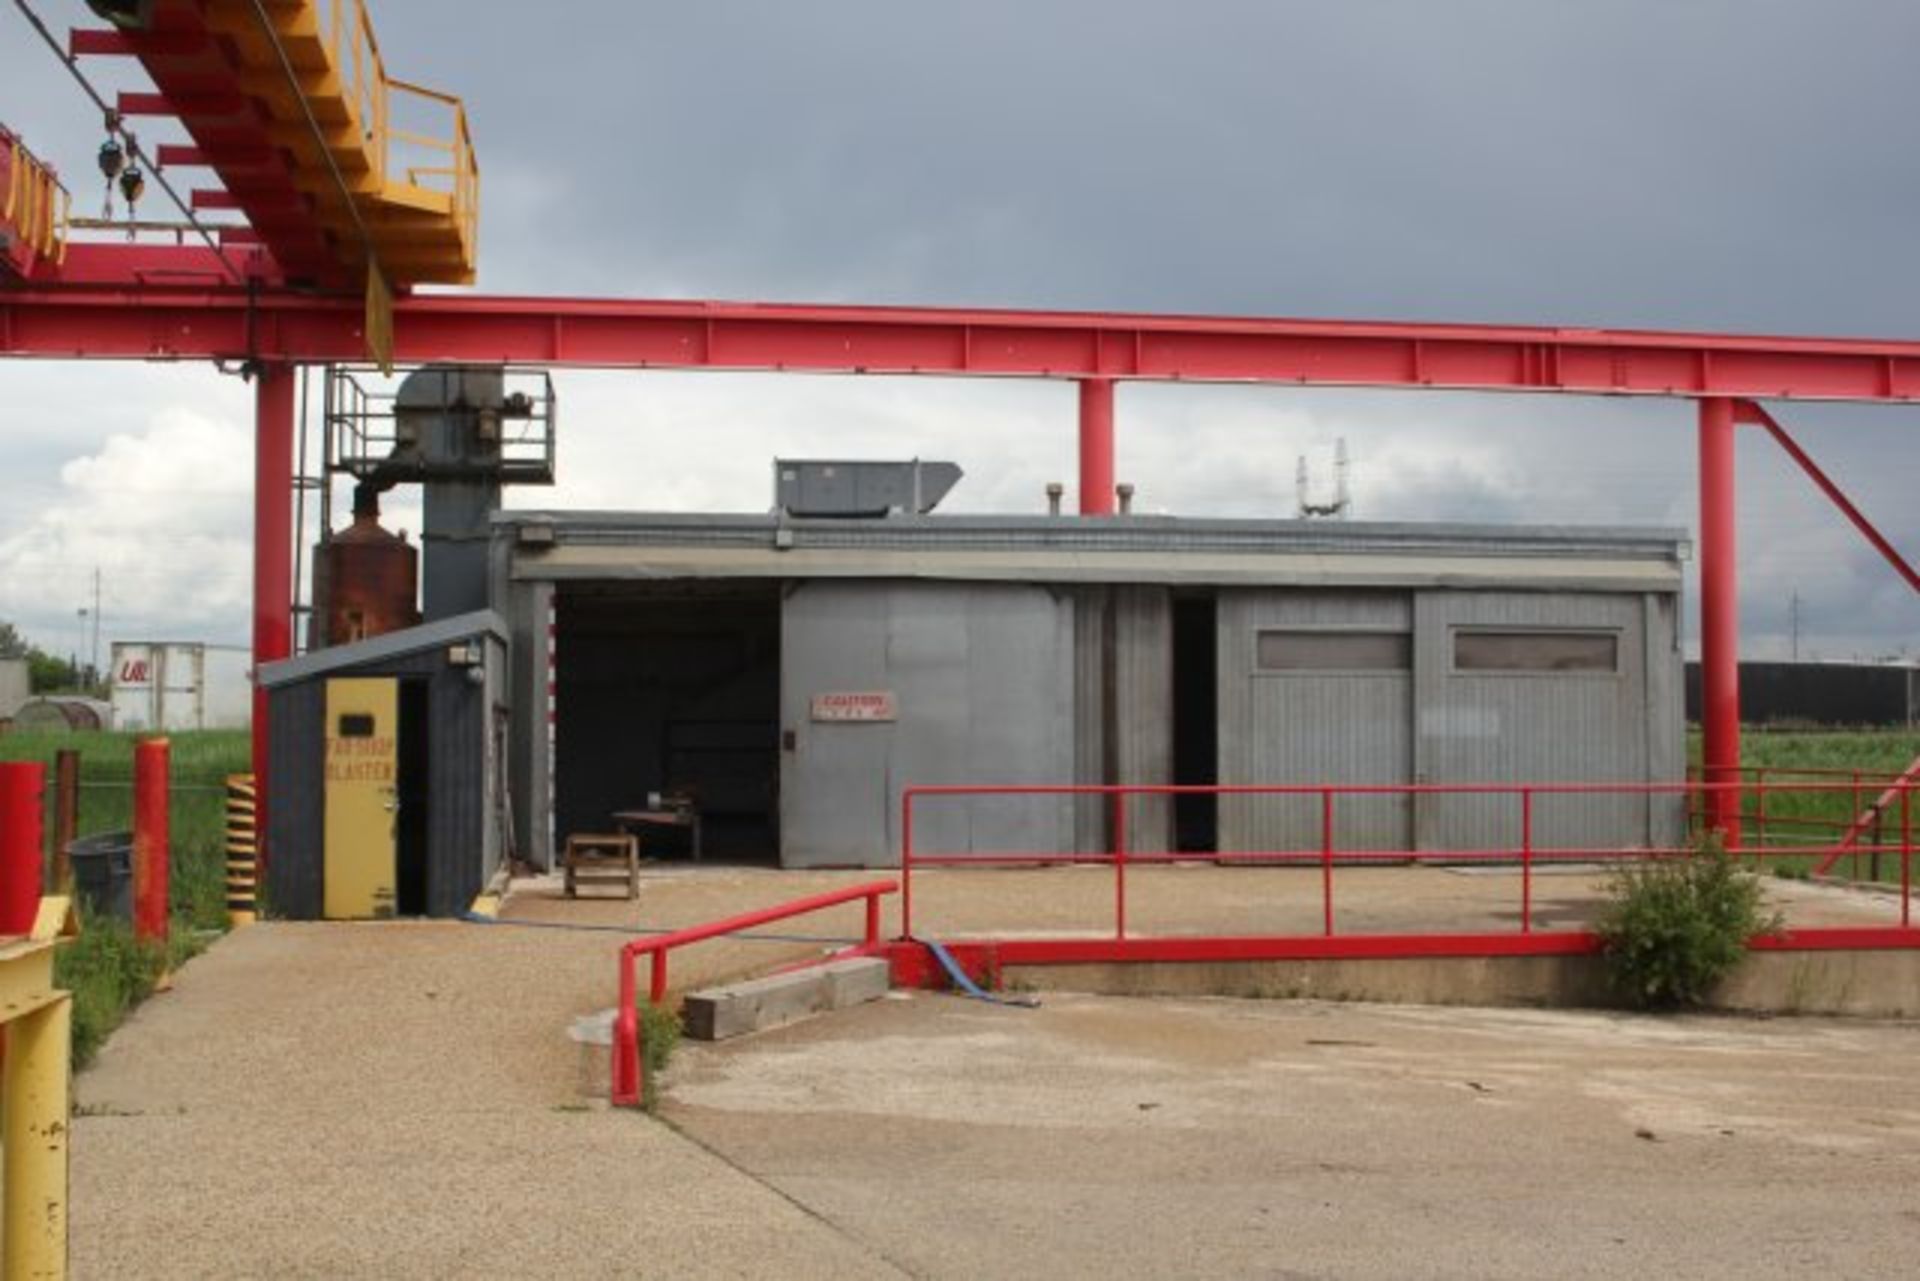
(243, 848)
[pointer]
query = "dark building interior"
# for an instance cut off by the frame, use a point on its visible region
(671, 688)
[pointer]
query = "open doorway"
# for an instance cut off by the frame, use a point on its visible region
(411, 800)
(671, 689)
(1196, 721)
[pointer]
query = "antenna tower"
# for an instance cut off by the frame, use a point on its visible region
(1342, 502)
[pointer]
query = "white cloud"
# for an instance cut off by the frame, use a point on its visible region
(164, 514)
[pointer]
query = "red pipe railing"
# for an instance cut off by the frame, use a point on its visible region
(1842, 832)
(629, 1073)
(1528, 854)
(1870, 817)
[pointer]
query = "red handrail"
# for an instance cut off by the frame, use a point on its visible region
(1528, 854)
(628, 1069)
(1870, 816)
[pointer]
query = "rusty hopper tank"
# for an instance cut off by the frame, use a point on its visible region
(368, 577)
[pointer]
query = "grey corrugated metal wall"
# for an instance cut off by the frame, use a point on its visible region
(982, 677)
(462, 802)
(526, 606)
(1311, 726)
(1123, 678)
(1665, 715)
(1433, 724)
(296, 790)
(1504, 727)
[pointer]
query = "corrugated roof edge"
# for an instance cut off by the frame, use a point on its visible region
(1103, 533)
(411, 640)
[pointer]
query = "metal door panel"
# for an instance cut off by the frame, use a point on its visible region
(362, 740)
(980, 677)
(1308, 727)
(1510, 727)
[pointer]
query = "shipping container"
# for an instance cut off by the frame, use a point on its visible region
(180, 685)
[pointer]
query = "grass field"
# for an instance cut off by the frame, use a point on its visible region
(1857, 765)
(107, 971)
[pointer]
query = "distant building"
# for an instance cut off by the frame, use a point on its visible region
(16, 686)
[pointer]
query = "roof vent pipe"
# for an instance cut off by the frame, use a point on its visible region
(1125, 490)
(1055, 490)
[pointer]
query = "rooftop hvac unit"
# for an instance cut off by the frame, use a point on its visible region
(813, 487)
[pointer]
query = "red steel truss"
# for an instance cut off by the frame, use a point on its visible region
(167, 319)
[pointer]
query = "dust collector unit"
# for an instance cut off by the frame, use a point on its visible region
(368, 576)
(461, 433)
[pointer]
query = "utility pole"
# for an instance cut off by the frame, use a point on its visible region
(92, 616)
(1793, 623)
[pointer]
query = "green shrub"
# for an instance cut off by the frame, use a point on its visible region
(659, 1034)
(1673, 928)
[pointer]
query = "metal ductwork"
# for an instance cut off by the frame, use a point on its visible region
(845, 489)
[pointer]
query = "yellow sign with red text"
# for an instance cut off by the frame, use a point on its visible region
(362, 796)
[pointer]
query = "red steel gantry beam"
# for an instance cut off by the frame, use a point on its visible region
(197, 323)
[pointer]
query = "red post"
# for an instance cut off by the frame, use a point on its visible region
(1719, 621)
(150, 840)
(22, 789)
(1526, 860)
(272, 554)
(626, 1067)
(1906, 856)
(1096, 446)
(906, 863)
(1120, 865)
(1326, 856)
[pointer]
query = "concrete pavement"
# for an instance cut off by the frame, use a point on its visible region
(401, 1100)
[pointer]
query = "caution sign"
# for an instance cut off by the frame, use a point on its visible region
(871, 705)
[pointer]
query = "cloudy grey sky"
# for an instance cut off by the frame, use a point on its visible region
(1741, 165)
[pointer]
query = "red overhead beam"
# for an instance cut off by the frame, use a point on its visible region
(110, 264)
(184, 323)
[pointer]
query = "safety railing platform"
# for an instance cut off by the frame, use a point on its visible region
(1334, 861)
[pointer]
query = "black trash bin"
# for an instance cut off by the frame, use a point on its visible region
(103, 873)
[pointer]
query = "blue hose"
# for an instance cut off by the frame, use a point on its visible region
(965, 985)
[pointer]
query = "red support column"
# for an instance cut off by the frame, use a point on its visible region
(22, 786)
(272, 552)
(1719, 619)
(1096, 446)
(151, 862)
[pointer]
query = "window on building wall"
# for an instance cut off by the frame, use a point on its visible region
(1332, 651)
(1536, 651)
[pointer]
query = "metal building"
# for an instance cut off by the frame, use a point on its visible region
(792, 675)
(387, 797)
